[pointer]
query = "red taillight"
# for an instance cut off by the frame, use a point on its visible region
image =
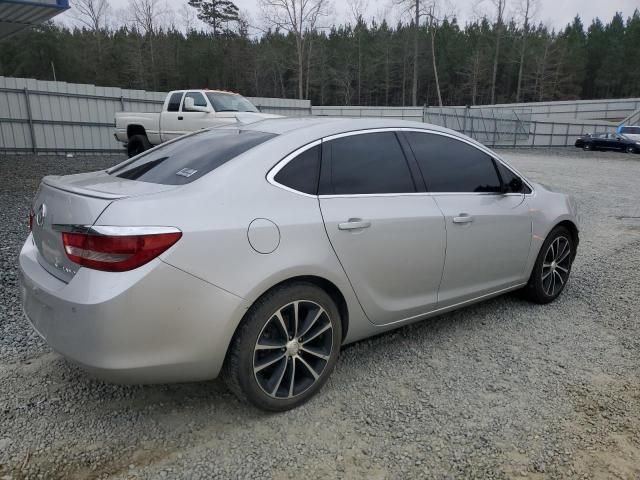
(31, 219)
(116, 253)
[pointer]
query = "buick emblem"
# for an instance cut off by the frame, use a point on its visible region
(40, 216)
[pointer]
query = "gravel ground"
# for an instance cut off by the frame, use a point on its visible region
(502, 389)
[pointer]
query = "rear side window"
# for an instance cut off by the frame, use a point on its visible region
(174, 102)
(302, 172)
(631, 130)
(191, 157)
(368, 163)
(450, 165)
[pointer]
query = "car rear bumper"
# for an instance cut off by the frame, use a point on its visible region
(154, 324)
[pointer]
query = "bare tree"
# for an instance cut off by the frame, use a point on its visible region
(296, 17)
(413, 6)
(147, 16)
(91, 14)
(358, 8)
(527, 8)
(420, 8)
(500, 6)
(432, 34)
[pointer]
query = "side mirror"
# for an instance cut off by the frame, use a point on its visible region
(190, 106)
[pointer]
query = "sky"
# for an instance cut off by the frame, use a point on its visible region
(553, 13)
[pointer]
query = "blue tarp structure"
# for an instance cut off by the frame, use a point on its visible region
(18, 14)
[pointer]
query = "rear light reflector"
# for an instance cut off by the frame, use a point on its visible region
(119, 250)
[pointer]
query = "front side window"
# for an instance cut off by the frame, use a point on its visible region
(450, 165)
(512, 183)
(631, 130)
(190, 157)
(198, 100)
(302, 172)
(371, 163)
(174, 102)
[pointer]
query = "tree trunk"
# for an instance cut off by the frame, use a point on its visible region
(300, 46)
(523, 50)
(435, 66)
(414, 90)
(497, 53)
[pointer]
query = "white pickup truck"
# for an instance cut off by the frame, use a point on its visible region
(183, 111)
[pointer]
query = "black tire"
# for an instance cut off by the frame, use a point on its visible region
(261, 323)
(137, 144)
(630, 149)
(587, 146)
(538, 288)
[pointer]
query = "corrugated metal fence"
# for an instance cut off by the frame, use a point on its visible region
(41, 116)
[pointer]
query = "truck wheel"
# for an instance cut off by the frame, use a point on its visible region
(137, 144)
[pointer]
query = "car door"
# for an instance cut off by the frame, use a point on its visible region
(488, 231)
(193, 120)
(170, 125)
(605, 142)
(388, 234)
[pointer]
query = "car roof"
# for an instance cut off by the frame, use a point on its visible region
(325, 126)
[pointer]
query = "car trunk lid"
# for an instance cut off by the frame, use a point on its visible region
(63, 203)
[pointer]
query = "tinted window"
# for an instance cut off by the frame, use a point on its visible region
(367, 163)
(301, 173)
(174, 102)
(631, 130)
(189, 158)
(512, 181)
(449, 165)
(198, 100)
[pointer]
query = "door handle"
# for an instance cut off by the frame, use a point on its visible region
(463, 218)
(354, 224)
(180, 118)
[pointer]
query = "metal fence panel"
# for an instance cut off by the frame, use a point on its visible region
(44, 116)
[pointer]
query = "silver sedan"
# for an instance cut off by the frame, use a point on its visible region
(256, 251)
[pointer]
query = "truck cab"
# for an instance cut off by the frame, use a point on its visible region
(183, 111)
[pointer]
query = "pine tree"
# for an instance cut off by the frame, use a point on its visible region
(216, 13)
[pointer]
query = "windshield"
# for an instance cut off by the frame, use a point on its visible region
(631, 130)
(189, 158)
(230, 102)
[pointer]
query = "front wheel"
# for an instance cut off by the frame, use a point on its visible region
(587, 146)
(630, 149)
(285, 348)
(552, 268)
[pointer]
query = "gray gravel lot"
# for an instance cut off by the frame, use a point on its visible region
(502, 389)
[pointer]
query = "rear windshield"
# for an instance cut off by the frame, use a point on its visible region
(631, 130)
(189, 158)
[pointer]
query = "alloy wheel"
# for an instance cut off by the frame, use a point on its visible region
(556, 265)
(293, 349)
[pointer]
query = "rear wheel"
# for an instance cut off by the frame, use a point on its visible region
(630, 149)
(587, 146)
(285, 348)
(552, 268)
(137, 144)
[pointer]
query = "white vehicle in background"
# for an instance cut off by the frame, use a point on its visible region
(632, 132)
(184, 111)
